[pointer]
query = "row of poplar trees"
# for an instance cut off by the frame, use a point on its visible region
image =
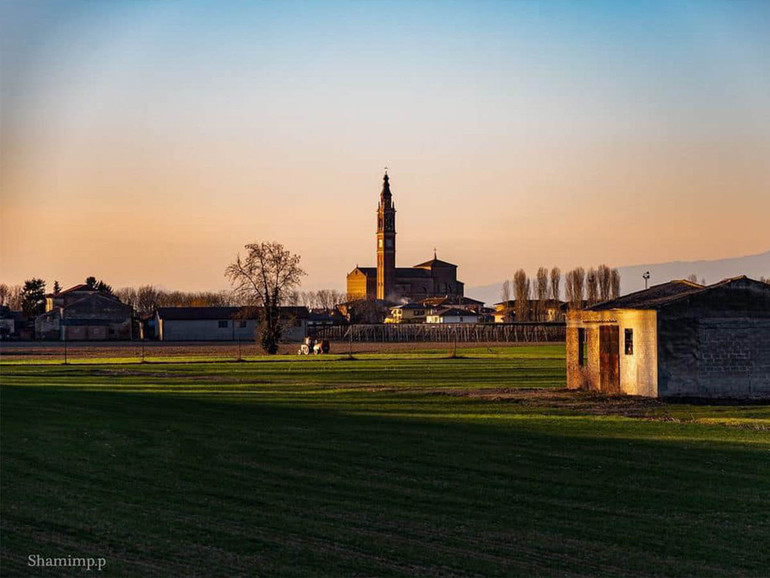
(534, 297)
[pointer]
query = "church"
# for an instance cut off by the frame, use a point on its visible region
(433, 278)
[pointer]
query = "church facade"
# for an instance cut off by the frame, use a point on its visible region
(433, 278)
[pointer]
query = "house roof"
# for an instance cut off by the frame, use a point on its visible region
(81, 287)
(450, 300)
(652, 298)
(454, 311)
(219, 313)
(410, 306)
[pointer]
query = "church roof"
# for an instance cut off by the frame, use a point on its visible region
(412, 273)
(385, 186)
(435, 263)
(368, 271)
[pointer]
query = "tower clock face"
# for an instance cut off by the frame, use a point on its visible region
(389, 243)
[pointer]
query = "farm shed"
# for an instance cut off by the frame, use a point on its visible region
(678, 339)
(223, 323)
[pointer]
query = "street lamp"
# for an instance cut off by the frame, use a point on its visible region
(646, 278)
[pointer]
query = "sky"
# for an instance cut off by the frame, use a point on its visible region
(145, 142)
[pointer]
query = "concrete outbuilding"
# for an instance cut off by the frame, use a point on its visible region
(678, 339)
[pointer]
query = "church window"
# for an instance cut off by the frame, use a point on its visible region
(581, 347)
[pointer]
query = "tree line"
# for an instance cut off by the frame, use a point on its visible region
(534, 297)
(29, 297)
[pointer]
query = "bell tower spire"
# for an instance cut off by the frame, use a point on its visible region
(386, 242)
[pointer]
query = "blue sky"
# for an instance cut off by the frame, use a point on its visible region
(191, 124)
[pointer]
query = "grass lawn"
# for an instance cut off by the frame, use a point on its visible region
(387, 465)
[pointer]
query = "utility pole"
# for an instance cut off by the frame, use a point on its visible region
(63, 333)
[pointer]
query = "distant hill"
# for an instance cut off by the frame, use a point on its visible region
(754, 266)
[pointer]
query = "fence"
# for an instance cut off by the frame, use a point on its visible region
(446, 332)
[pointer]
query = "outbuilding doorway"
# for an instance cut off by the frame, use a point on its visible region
(609, 358)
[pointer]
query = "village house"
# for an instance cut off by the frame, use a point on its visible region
(84, 314)
(451, 315)
(224, 323)
(407, 313)
(678, 339)
(7, 323)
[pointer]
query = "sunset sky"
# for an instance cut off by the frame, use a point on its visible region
(147, 142)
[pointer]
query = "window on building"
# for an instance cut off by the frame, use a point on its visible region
(242, 323)
(629, 341)
(581, 347)
(223, 324)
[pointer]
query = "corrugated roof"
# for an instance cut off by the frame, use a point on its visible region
(219, 313)
(651, 298)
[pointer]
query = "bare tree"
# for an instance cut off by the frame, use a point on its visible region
(263, 278)
(556, 284)
(328, 298)
(4, 293)
(293, 298)
(521, 289)
(13, 297)
(692, 277)
(592, 286)
(541, 291)
(505, 292)
(575, 287)
(129, 296)
(614, 284)
(605, 282)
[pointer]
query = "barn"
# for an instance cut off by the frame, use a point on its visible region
(678, 339)
(224, 323)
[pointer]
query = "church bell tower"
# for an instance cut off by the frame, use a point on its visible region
(386, 242)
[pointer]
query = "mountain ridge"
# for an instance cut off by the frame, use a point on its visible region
(712, 270)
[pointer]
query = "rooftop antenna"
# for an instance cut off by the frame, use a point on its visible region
(646, 278)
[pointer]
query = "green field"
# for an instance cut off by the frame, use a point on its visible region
(387, 465)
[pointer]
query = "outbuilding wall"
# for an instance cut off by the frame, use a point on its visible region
(209, 330)
(717, 344)
(638, 370)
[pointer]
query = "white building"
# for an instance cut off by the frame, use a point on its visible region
(452, 315)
